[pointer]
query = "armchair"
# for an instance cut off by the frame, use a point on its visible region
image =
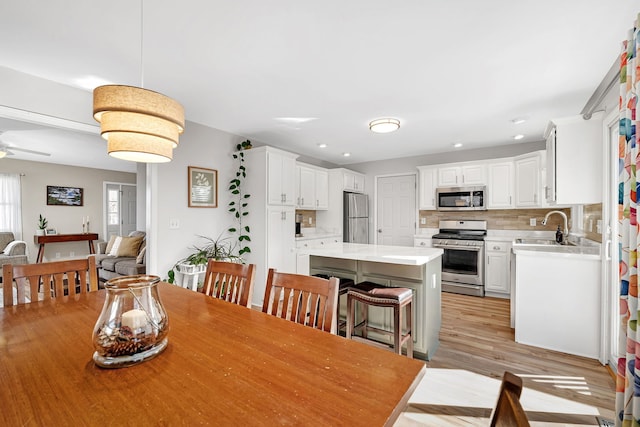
(12, 251)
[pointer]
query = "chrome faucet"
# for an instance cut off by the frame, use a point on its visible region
(564, 217)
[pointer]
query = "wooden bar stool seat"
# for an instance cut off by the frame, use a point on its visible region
(371, 294)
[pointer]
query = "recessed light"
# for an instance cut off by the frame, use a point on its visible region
(322, 145)
(384, 125)
(518, 120)
(518, 137)
(346, 154)
(457, 145)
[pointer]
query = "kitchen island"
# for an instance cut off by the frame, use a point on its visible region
(400, 266)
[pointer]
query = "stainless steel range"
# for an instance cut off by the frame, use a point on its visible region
(463, 258)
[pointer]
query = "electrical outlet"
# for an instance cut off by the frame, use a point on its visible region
(310, 220)
(72, 253)
(423, 221)
(532, 222)
(57, 254)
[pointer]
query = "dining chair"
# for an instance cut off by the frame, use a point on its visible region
(229, 281)
(43, 281)
(307, 300)
(508, 411)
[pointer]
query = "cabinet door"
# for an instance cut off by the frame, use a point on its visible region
(427, 177)
(358, 182)
(448, 176)
(322, 189)
(500, 187)
(528, 182)
(497, 268)
(473, 174)
(306, 183)
(288, 180)
(281, 239)
(274, 179)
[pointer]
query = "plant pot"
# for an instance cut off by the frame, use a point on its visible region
(39, 232)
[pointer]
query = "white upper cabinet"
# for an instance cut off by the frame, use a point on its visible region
(353, 181)
(471, 174)
(281, 178)
(574, 161)
(528, 177)
(500, 185)
(427, 187)
(312, 187)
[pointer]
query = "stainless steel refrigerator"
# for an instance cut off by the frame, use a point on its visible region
(356, 218)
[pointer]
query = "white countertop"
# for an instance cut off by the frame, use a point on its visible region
(406, 255)
(314, 235)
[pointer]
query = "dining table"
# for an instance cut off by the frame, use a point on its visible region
(225, 364)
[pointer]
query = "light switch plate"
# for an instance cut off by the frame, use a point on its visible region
(532, 222)
(174, 224)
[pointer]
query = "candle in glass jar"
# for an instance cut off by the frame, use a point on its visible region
(134, 319)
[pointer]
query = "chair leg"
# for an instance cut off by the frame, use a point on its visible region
(409, 331)
(350, 315)
(397, 329)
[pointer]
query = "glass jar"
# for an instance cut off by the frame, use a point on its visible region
(133, 325)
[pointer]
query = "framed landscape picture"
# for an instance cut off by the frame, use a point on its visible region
(64, 196)
(203, 187)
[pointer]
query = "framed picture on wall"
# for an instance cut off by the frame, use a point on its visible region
(203, 187)
(64, 196)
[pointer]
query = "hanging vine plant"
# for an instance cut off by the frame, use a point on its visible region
(240, 201)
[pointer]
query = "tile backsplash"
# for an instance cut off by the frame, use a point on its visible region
(308, 218)
(504, 219)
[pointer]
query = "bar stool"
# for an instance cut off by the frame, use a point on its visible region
(343, 287)
(368, 294)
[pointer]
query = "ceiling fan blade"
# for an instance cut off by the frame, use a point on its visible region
(24, 150)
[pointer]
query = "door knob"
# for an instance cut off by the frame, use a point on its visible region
(379, 230)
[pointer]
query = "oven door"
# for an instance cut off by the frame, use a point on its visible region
(462, 264)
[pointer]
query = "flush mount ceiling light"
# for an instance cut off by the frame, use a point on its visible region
(384, 125)
(322, 145)
(518, 120)
(139, 125)
(518, 137)
(346, 154)
(457, 145)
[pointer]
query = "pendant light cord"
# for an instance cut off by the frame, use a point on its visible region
(142, 43)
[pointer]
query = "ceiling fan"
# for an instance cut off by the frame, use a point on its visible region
(6, 150)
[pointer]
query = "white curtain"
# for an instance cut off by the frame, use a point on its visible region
(10, 204)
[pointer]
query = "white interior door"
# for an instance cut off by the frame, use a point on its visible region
(396, 210)
(120, 209)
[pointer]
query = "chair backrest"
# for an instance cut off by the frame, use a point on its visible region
(229, 281)
(307, 300)
(508, 410)
(48, 279)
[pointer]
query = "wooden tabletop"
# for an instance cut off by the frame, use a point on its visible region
(224, 365)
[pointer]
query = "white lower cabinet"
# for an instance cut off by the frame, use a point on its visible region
(497, 268)
(422, 242)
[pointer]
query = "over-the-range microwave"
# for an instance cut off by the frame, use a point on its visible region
(469, 198)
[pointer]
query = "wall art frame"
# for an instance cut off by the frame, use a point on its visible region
(64, 196)
(203, 187)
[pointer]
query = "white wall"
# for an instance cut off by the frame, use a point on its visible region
(200, 146)
(65, 219)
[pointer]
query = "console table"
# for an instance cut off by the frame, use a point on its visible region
(61, 238)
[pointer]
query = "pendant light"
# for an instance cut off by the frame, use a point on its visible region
(139, 125)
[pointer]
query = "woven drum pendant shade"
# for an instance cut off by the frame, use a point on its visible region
(140, 125)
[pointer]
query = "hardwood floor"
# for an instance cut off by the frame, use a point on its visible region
(476, 346)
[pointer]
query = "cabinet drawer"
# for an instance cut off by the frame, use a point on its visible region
(497, 246)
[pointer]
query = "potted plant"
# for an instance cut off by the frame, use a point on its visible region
(239, 201)
(42, 225)
(219, 249)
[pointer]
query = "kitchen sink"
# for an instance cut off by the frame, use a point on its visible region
(542, 242)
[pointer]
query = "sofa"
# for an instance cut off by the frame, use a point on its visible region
(12, 251)
(122, 256)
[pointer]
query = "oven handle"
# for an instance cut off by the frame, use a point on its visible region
(460, 248)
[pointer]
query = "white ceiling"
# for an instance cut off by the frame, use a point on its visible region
(451, 71)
